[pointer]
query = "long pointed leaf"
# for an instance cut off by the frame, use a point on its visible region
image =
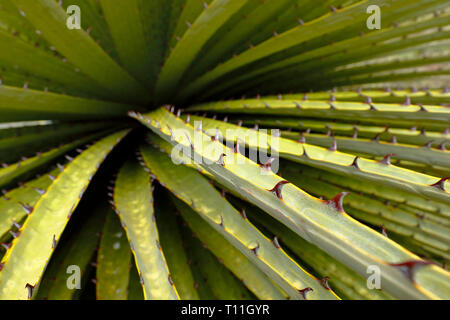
(24, 263)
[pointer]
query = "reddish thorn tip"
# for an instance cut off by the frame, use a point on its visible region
(407, 268)
(324, 283)
(337, 202)
(387, 159)
(277, 189)
(441, 183)
(333, 146)
(383, 231)
(276, 243)
(303, 292)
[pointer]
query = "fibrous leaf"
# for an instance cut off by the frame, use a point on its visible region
(12, 173)
(319, 222)
(113, 261)
(255, 280)
(50, 19)
(134, 204)
(60, 280)
(174, 250)
(25, 261)
(15, 204)
(195, 190)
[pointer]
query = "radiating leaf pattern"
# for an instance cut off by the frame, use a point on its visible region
(273, 149)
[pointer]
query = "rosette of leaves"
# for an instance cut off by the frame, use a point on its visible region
(102, 128)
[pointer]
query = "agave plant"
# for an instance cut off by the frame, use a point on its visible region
(120, 182)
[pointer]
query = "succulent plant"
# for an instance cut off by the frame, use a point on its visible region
(137, 161)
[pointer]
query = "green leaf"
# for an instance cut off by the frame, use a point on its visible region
(113, 261)
(325, 24)
(14, 203)
(130, 24)
(422, 206)
(93, 21)
(341, 278)
(196, 191)
(423, 96)
(15, 172)
(255, 280)
(174, 252)
(334, 161)
(223, 284)
(190, 11)
(76, 250)
(81, 50)
(316, 221)
(436, 117)
(411, 136)
(134, 285)
(134, 204)
(187, 49)
(364, 147)
(35, 62)
(23, 264)
(249, 19)
(428, 233)
(12, 149)
(18, 104)
(328, 56)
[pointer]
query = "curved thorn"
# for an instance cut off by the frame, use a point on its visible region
(28, 209)
(333, 147)
(304, 152)
(30, 289)
(172, 137)
(220, 161)
(407, 268)
(355, 163)
(383, 231)
(54, 242)
(303, 292)
(237, 147)
(302, 138)
(441, 183)
(243, 215)
(422, 108)
(256, 249)
(6, 246)
(428, 144)
(324, 282)
(407, 101)
(337, 202)
(387, 159)
(277, 189)
(276, 243)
